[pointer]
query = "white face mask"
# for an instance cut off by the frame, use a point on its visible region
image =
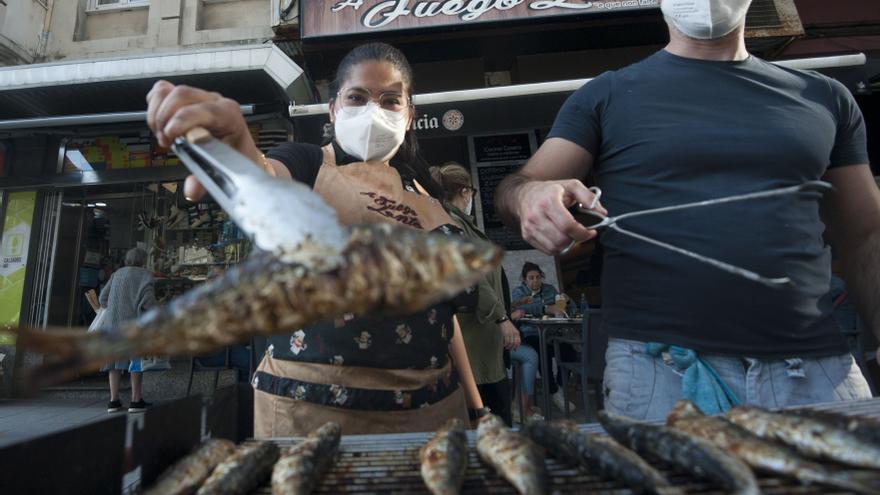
(705, 19)
(370, 132)
(470, 207)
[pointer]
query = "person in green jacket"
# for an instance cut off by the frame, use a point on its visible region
(488, 331)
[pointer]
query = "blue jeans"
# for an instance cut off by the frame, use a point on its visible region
(644, 387)
(527, 358)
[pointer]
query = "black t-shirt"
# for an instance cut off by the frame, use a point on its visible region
(671, 130)
(416, 341)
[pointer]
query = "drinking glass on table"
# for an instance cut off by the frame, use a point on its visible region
(560, 305)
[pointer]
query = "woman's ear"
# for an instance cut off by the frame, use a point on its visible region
(332, 105)
(409, 120)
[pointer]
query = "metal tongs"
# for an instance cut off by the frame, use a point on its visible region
(594, 220)
(275, 214)
(217, 166)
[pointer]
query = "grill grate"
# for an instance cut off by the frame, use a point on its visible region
(389, 464)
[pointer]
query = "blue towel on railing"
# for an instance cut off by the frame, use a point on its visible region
(700, 382)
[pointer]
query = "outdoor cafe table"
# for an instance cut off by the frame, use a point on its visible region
(558, 326)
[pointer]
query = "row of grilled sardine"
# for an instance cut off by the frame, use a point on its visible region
(217, 467)
(722, 449)
(725, 450)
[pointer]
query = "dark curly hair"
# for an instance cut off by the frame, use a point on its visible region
(528, 266)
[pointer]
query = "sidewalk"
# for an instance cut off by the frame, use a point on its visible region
(22, 419)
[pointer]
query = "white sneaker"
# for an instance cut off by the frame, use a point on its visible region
(559, 400)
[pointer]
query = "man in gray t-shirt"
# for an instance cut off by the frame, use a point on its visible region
(698, 120)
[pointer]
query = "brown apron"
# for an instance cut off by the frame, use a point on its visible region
(366, 192)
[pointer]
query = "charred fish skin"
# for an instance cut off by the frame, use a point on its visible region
(444, 459)
(810, 437)
(563, 439)
(757, 452)
(693, 454)
(868, 429)
(186, 475)
(242, 471)
(384, 269)
(301, 468)
(513, 456)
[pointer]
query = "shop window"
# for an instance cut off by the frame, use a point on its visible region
(104, 5)
(115, 152)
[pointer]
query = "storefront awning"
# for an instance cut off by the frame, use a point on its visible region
(524, 106)
(248, 74)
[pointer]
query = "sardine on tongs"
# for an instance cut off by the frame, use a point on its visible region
(594, 220)
(308, 269)
(261, 205)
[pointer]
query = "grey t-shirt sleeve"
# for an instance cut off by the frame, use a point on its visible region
(580, 118)
(851, 142)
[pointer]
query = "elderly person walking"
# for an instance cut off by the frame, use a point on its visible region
(127, 295)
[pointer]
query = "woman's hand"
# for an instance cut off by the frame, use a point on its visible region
(172, 111)
(523, 301)
(553, 310)
(510, 335)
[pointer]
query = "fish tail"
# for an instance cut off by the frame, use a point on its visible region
(865, 482)
(73, 352)
(667, 490)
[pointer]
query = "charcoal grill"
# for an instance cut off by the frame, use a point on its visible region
(389, 464)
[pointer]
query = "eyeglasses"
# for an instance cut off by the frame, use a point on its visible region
(358, 97)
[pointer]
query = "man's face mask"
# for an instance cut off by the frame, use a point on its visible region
(705, 19)
(370, 132)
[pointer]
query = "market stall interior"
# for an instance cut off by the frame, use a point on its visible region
(185, 243)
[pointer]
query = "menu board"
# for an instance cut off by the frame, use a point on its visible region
(488, 178)
(494, 157)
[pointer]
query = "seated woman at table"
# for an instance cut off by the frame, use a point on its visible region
(534, 297)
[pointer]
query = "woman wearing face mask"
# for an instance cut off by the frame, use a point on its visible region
(372, 375)
(488, 331)
(536, 298)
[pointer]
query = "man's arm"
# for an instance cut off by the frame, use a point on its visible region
(852, 216)
(535, 199)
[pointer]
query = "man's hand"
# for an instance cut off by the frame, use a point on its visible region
(510, 335)
(545, 221)
(517, 314)
(536, 198)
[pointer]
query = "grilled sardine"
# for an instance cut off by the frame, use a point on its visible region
(186, 475)
(444, 459)
(756, 452)
(384, 269)
(868, 429)
(599, 454)
(513, 456)
(242, 471)
(810, 437)
(301, 468)
(688, 452)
